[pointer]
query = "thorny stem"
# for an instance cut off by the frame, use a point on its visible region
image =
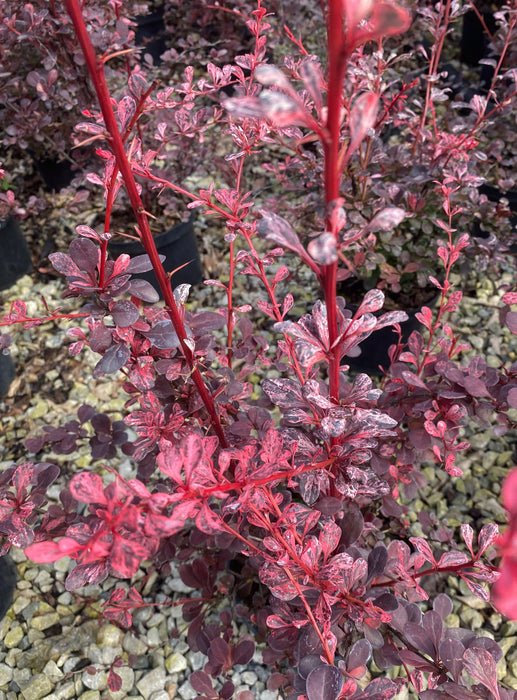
(96, 70)
(332, 174)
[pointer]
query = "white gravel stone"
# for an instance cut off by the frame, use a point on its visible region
(196, 660)
(249, 677)
(52, 671)
(175, 663)
(6, 674)
(95, 681)
(269, 695)
(186, 691)
(151, 682)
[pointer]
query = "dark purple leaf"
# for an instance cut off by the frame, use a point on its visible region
(85, 254)
(243, 652)
(142, 289)
(351, 524)
(141, 263)
(511, 321)
(433, 625)
(219, 651)
(419, 638)
(324, 683)
(451, 654)
(359, 655)
(377, 560)
(443, 605)
(64, 264)
(308, 663)
(201, 682)
(124, 313)
(100, 338)
(162, 335)
(114, 358)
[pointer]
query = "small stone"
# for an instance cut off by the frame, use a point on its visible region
(249, 677)
(95, 681)
(153, 637)
(37, 688)
(269, 695)
(52, 671)
(90, 695)
(133, 645)
(151, 682)
(472, 619)
(13, 637)
(196, 660)
(159, 695)
(175, 663)
(109, 635)
(43, 622)
(6, 675)
(20, 603)
(66, 691)
(187, 692)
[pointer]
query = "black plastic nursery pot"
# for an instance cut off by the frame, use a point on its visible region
(7, 584)
(374, 350)
(7, 373)
(150, 34)
(178, 244)
(15, 259)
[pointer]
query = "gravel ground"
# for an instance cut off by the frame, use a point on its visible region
(55, 645)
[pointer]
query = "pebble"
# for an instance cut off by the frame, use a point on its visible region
(52, 671)
(13, 637)
(186, 691)
(43, 622)
(151, 682)
(175, 663)
(39, 686)
(6, 675)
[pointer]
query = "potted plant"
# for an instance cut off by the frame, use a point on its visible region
(294, 480)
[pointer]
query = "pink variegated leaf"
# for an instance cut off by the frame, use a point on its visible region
(423, 547)
(487, 537)
(481, 665)
(468, 536)
(126, 111)
(387, 219)
(64, 264)
(88, 488)
(87, 575)
(323, 249)
(362, 119)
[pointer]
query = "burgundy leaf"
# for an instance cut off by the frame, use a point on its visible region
(451, 653)
(308, 663)
(419, 638)
(85, 254)
(443, 605)
(511, 321)
(142, 289)
(114, 681)
(64, 264)
(87, 575)
(324, 683)
(201, 682)
(124, 313)
(114, 358)
(162, 335)
(243, 652)
(377, 560)
(359, 655)
(100, 338)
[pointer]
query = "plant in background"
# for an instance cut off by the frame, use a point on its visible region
(291, 500)
(43, 79)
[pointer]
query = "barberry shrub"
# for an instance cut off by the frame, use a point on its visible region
(283, 499)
